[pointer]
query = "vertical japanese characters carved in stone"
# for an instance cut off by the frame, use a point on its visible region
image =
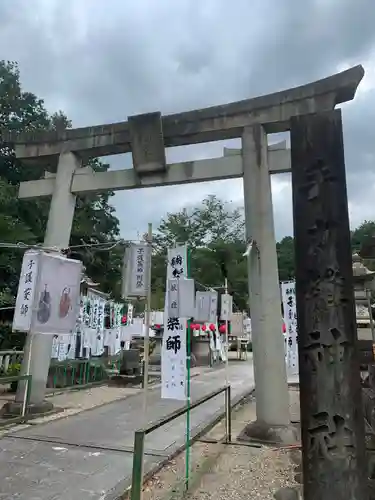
(331, 415)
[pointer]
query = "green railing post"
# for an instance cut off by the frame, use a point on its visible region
(87, 372)
(137, 473)
(80, 374)
(73, 382)
(226, 414)
(229, 417)
(28, 393)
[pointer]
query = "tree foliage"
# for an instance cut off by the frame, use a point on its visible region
(214, 231)
(285, 256)
(25, 221)
(215, 234)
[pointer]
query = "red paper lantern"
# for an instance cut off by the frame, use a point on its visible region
(192, 326)
(123, 320)
(157, 327)
(197, 327)
(222, 329)
(204, 328)
(212, 327)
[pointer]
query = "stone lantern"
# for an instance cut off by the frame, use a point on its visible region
(364, 284)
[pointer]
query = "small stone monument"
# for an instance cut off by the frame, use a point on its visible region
(364, 282)
(130, 363)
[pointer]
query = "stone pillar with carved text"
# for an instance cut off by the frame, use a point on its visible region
(333, 444)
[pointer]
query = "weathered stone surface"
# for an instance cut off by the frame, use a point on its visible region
(298, 477)
(287, 494)
(201, 125)
(296, 457)
(332, 420)
(14, 408)
(147, 143)
(259, 431)
(130, 362)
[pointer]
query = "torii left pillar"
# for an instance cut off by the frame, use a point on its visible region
(59, 226)
(271, 386)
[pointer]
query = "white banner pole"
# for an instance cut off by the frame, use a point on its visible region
(226, 338)
(147, 325)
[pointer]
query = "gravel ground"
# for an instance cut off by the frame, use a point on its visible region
(246, 473)
(223, 472)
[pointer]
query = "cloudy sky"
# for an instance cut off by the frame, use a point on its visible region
(101, 61)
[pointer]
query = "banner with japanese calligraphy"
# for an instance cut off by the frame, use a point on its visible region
(129, 316)
(237, 324)
(48, 293)
(136, 270)
(206, 306)
(226, 307)
(92, 333)
(288, 293)
(173, 353)
(181, 298)
(26, 291)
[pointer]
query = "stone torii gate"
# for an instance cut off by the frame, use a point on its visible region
(146, 136)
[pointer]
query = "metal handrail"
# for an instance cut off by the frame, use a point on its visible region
(139, 436)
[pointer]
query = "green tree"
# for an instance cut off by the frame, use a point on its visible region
(363, 242)
(12, 229)
(214, 231)
(285, 257)
(25, 221)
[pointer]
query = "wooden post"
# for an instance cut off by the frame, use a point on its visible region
(333, 443)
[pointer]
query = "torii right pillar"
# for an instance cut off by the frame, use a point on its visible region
(332, 423)
(271, 386)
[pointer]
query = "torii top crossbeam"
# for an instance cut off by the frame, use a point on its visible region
(215, 123)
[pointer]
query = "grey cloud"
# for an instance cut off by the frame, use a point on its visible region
(103, 61)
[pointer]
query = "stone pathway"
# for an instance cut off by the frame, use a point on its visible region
(89, 455)
(72, 402)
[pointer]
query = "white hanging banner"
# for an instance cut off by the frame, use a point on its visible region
(173, 298)
(50, 288)
(173, 368)
(288, 293)
(181, 295)
(129, 316)
(206, 307)
(237, 324)
(173, 353)
(177, 262)
(26, 291)
(157, 317)
(226, 307)
(136, 270)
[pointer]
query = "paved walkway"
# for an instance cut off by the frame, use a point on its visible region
(89, 455)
